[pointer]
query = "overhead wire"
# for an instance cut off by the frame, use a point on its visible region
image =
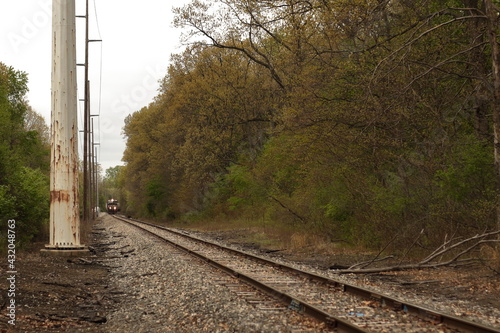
(97, 21)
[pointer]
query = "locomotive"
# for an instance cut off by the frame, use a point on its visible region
(112, 206)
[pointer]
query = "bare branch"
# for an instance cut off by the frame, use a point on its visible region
(288, 209)
(369, 262)
(414, 39)
(427, 262)
(456, 245)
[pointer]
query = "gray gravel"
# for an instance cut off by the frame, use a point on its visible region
(332, 300)
(165, 290)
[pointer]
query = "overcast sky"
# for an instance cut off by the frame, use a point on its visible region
(138, 39)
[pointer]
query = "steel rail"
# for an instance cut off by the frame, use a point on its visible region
(298, 304)
(397, 304)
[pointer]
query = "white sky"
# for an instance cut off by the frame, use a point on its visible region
(138, 39)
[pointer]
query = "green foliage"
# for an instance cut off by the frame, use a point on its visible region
(390, 196)
(337, 209)
(7, 202)
(154, 193)
(466, 192)
(469, 173)
(26, 200)
(238, 183)
(32, 192)
(24, 157)
(204, 117)
(235, 192)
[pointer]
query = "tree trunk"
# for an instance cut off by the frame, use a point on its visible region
(492, 16)
(480, 68)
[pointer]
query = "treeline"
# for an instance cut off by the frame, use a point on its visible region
(366, 121)
(24, 160)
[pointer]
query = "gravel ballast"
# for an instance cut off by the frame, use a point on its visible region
(165, 290)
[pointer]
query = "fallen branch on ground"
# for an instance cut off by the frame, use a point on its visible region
(455, 251)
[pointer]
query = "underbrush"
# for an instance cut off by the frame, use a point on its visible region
(267, 235)
(307, 240)
(491, 257)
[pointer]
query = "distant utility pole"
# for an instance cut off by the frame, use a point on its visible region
(87, 145)
(86, 179)
(64, 199)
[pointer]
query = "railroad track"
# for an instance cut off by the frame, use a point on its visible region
(345, 307)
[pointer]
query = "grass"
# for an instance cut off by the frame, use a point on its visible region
(264, 234)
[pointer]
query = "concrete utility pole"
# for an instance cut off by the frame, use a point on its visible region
(64, 199)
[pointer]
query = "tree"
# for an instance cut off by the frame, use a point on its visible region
(382, 89)
(212, 106)
(112, 186)
(35, 122)
(364, 121)
(492, 14)
(24, 157)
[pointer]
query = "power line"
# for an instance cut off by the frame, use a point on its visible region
(97, 21)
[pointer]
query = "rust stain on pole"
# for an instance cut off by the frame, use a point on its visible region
(59, 196)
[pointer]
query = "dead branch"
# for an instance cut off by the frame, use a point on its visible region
(288, 209)
(456, 245)
(375, 259)
(412, 245)
(366, 263)
(431, 261)
(441, 247)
